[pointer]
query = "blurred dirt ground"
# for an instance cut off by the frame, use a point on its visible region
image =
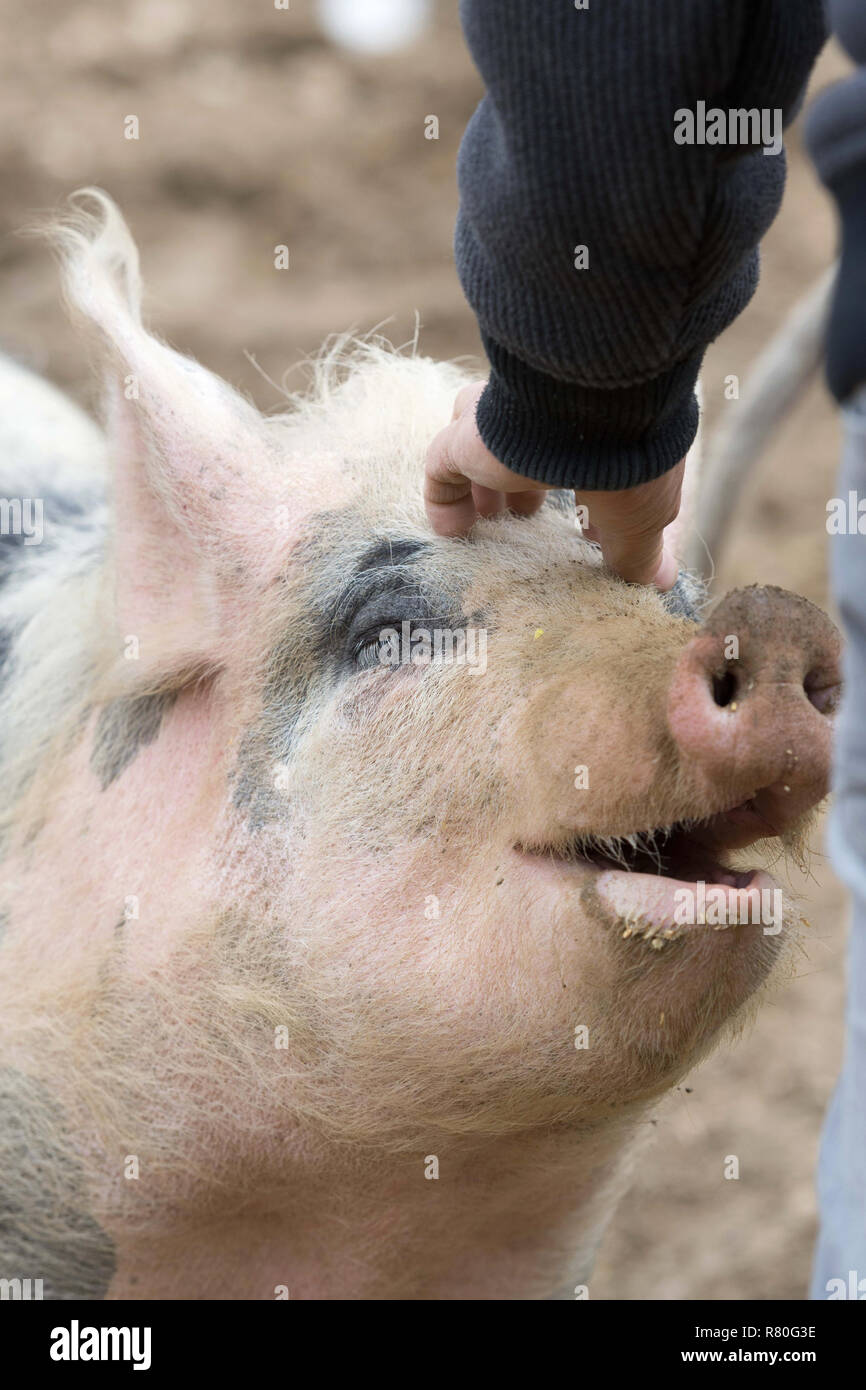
(255, 132)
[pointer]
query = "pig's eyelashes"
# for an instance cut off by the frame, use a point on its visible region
(373, 652)
(389, 646)
(382, 617)
(377, 625)
(383, 606)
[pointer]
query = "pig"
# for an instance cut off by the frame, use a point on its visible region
(341, 960)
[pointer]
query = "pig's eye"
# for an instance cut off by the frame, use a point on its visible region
(382, 607)
(377, 650)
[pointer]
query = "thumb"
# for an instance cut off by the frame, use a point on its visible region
(639, 559)
(629, 524)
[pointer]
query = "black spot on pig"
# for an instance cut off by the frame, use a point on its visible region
(23, 529)
(387, 588)
(386, 553)
(124, 726)
(6, 639)
(59, 513)
(46, 1230)
(686, 598)
(562, 500)
(345, 608)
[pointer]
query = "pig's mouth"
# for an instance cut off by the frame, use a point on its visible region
(650, 876)
(675, 852)
(688, 851)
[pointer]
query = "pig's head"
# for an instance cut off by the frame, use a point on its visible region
(377, 900)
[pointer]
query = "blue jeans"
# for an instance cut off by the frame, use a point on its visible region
(840, 1260)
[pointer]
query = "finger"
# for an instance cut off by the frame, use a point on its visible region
(467, 396)
(488, 500)
(448, 498)
(524, 503)
(668, 571)
(639, 559)
(630, 526)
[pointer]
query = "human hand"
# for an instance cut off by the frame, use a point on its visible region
(463, 480)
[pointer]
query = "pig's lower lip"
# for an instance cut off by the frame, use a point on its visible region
(661, 909)
(660, 885)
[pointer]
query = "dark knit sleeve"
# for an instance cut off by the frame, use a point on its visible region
(594, 353)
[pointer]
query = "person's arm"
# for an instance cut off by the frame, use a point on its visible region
(836, 134)
(601, 255)
(593, 370)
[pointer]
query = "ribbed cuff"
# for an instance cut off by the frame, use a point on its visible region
(573, 436)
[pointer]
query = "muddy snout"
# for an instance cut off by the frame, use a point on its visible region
(750, 702)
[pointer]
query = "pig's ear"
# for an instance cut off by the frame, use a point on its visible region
(681, 536)
(191, 458)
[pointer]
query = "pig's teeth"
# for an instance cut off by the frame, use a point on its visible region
(634, 926)
(650, 932)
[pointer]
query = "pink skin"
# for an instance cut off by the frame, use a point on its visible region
(161, 831)
(770, 741)
(390, 865)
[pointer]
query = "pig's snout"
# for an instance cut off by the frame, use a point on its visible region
(750, 699)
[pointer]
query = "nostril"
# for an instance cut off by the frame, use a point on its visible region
(724, 688)
(823, 689)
